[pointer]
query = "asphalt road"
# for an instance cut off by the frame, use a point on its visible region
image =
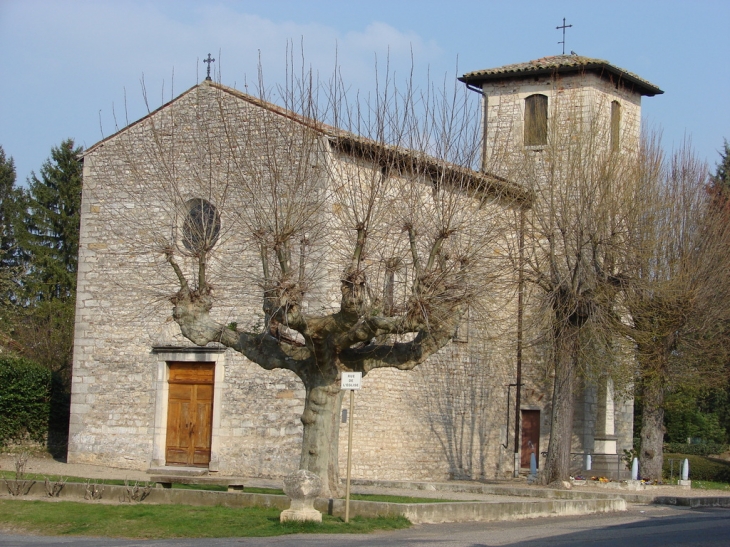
(641, 526)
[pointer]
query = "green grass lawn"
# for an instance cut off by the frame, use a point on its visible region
(169, 521)
(398, 499)
(710, 485)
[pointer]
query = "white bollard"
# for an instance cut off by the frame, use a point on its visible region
(684, 482)
(589, 462)
(635, 470)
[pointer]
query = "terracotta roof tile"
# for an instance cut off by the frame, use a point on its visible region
(561, 64)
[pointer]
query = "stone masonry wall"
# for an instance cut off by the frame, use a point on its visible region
(584, 98)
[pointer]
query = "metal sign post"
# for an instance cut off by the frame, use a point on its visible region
(351, 381)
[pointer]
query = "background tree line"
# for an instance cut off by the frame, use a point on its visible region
(700, 412)
(39, 234)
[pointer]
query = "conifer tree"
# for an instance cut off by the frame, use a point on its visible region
(49, 240)
(52, 222)
(9, 195)
(721, 178)
(11, 207)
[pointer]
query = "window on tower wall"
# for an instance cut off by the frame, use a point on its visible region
(536, 120)
(615, 124)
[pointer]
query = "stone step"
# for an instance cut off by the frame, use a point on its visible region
(178, 471)
(166, 481)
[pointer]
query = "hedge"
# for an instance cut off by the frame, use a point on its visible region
(25, 400)
(702, 449)
(700, 468)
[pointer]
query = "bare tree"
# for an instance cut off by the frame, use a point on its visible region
(676, 287)
(623, 242)
(575, 230)
(363, 241)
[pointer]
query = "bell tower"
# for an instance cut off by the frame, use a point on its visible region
(544, 122)
(527, 104)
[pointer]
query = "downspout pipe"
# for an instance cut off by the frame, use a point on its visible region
(485, 102)
(520, 314)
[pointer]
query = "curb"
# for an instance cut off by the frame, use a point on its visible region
(550, 493)
(417, 513)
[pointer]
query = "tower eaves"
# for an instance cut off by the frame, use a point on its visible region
(561, 64)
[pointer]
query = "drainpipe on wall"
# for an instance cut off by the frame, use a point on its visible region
(520, 310)
(520, 293)
(485, 102)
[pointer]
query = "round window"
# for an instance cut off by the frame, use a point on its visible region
(201, 227)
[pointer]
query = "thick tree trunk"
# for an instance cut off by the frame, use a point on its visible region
(557, 465)
(321, 420)
(651, 457)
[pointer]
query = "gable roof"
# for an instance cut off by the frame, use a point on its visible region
(351, 143)
(562, 64)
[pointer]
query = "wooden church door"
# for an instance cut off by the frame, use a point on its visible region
(190, 414)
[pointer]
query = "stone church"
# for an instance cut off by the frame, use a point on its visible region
(144, 397)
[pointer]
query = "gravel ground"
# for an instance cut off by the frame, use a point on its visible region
(49, 466)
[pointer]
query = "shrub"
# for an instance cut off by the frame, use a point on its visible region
(25, 397)
(700, 468)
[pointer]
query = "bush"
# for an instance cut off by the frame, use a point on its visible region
(702, 449)
(700, 468)
(25, 398)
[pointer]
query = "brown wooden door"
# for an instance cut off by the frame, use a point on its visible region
(190, 414)
(530, 437)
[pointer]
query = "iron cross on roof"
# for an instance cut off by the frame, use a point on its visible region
(558, 28)
(211, 60)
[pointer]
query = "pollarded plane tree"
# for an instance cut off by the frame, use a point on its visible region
(574, 231)
(370, 238)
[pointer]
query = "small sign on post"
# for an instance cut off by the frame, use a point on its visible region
(351, 381)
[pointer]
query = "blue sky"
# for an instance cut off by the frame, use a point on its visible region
(69, 66)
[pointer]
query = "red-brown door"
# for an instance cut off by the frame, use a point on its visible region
(190, 414)
(530, 436)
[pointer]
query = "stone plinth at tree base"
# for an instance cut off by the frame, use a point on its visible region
(686, 485)
(302, 487)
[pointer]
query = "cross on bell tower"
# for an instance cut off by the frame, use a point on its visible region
(558, 28)
(208, 60)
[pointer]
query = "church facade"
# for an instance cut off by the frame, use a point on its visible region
(144, 397)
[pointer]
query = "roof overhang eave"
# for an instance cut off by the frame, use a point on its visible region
(644, 87)
(493, 184)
